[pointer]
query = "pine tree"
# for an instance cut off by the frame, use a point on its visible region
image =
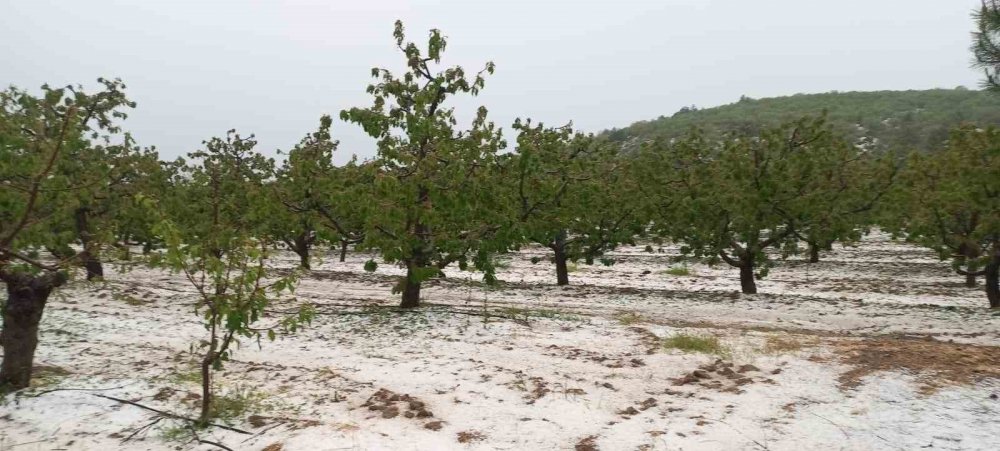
(986, 42)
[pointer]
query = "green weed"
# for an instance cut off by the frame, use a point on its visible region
(705, 344)
(679, 271)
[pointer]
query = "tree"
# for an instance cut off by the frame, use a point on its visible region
(38, 189)
(319, 195)
(849, 185)
(132, 221)
(213, 236)
(572, 193)
(432, 198)
(345, 213)
(950, 202)
(733, 200)
(103, 208)
(986, 42)
(292, 223)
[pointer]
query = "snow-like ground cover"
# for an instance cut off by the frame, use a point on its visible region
(878, 346)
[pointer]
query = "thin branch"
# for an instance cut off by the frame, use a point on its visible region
(169, 414)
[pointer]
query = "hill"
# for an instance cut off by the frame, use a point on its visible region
(916, 119)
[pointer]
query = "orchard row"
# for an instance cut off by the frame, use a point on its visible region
(75, 190)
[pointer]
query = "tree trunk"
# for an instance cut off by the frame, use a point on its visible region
(89, 256)
(95, 270)
(411, 289)
(26, 298)
(562, 269)
(206, 387)
(343, 250)
(970, 280)
(419, 260)
(993, 280)
(304, 259)
(813, 253)
(301, 248)
(971, 268)
(747, 282)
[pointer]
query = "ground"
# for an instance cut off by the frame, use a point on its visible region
(879, 346)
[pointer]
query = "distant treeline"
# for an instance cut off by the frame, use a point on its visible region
(904, 120)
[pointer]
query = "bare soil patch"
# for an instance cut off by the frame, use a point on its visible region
(935, 363)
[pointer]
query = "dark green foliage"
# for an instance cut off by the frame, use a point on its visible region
(889, 120)
(736, 198)
(986, 42)
(572, 193)
(949, 201)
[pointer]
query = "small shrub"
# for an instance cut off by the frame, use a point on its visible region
(238, 401)
(682, 270)
(47, 375)
(572, 267)
(177, 432)
(629, 318)
(705, 344)
(182, 377)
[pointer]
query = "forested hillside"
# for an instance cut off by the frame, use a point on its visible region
(889, 119)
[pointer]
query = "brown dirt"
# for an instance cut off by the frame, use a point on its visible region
(391, 404)
(935, 363)
(787, 343)
(470, 436)
(721, 376)
(273, 447)
(587, 444)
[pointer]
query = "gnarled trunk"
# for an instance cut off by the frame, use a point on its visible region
(747, 283)
(95, 270)
(26, 298)
(343, 250)
(411, 288)
(301, 247)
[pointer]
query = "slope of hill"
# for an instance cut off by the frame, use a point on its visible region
(889, 119)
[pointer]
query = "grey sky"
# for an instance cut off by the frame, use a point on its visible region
(199, 68)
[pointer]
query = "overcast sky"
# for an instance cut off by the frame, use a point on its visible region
(199, 68)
